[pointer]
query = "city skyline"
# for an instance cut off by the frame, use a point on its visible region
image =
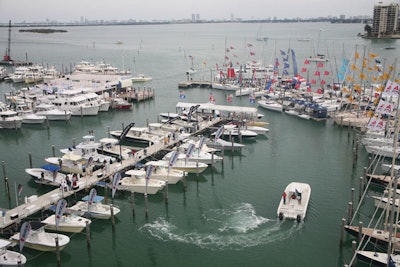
(159, 10)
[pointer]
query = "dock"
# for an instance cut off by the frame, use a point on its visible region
(34, 204)
(191, 83)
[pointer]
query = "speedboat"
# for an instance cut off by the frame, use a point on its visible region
(236, 132)
(197, 156)
(270, 104)
(9, 257)
(39, 239)
(70, 223)
(139, 135)
(189, 166)
(221, 144)
(96, 210)
(9, 119)
(70, 163)
(47, 173)
(110, 146)
(52, 113)
(136, 182)
(140, 78)
(294, 201)
(160, 172)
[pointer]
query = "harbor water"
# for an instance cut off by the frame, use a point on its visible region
(227, 215)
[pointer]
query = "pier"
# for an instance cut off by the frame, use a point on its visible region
(34, 204)
(191, 83)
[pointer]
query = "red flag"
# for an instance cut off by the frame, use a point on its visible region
(319, 91)
(326, 72)
(227, 50)
(306, 62)
(317, 73)
(229, 98)
(252, 53)
(313, 81)
(303, 70)
(226, 57)
(309, 89)
(320, 65)
(232, 47)
(323, 82)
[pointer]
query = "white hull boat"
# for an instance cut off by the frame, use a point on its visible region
(97, 210)
(69, 163)
(270, 105)
(110, 146)
(375, 258)
(69, 223)
(39, 239)
(46, 175)
(294, 201)
(201, 157)
(136, 182)
(160, 172)
(9, 257)
(52, 113)
(189, 167)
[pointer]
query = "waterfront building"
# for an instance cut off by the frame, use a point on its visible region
(385, 21)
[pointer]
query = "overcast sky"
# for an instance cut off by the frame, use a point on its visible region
(73, 10)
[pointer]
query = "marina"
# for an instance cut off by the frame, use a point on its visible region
(226, 211)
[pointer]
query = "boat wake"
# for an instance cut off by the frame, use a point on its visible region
(235, 228)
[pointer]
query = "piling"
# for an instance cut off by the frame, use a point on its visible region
(354, 246)
(6, 184)
(112, 217)
(53, 150)
(147, 206)
(133, 203)
(58, 252)
(166, 192)
(349, 212)
(87, 234)
(342, 231)
(30, 160)
(360, 227)
(352, 198)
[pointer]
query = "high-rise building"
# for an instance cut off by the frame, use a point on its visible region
(385, 20)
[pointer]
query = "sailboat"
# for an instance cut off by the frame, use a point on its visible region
(319, 57)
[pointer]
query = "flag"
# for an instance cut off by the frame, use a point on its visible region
(319, 91)
(19, 190)
(283, 53)
(320, 65)
(306, 62)
(313, 81)
(229, 98)
(61, 205)
(115, 183)
(317, 73)
(303, 70)
(92, 195)
(23, 234)
(172, 160)
(231, 47)
(182, 95)
(189, 152)
(201, 142)
(218, 133)
(323, 82)
(326, 73)
(148, 173)
(252, 53)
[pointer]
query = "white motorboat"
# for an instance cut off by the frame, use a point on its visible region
(160, 172)
(70, 163)
(28, 116)
(197, 156)
(189, 166)
(221, 144)
(292, 112)
(140, 135)
(304, 116)
(110, 146)
(270, 105)
(77, 104)
(70, 223)
(136, 182)
(88, 149)
(9, 119)
(52, 113)
(48, 173)
(383, 202)
(96, 210)
(9, 257)
(39, 239)
(294, 201)
(225, 86)
(386, 151)
(236, 133)
(374, 258)
(140, 78)
(243, 91)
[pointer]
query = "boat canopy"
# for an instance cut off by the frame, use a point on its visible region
(95, 199)
(209, 107)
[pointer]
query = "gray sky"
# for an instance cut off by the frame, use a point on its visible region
(72, 10)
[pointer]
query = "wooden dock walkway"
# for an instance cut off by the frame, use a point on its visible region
(36, 204)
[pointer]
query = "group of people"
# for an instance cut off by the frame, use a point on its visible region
(70, 183)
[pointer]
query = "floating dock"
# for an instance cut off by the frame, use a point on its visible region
(189, 84)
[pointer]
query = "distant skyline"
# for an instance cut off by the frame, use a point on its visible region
(73, 10)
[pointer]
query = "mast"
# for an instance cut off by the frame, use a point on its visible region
(7, 55)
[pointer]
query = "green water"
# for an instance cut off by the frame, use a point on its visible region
(227, 215)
